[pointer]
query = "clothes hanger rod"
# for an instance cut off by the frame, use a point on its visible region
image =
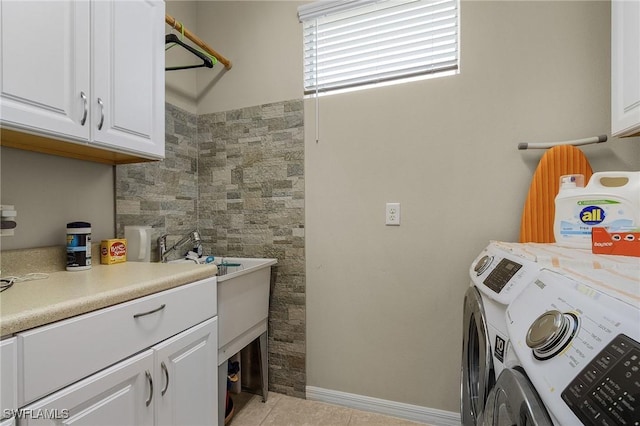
(576, 142)
(194, 38)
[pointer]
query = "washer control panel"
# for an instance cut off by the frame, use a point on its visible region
(607, 391)
(593, 369)
(502, 274)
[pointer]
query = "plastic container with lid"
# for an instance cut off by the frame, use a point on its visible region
(610, 200)
(78, 246)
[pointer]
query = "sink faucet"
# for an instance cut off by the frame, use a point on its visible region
(163, 251)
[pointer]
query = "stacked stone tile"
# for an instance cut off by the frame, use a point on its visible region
(238, 176)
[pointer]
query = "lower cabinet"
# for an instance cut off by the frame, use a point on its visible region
(120, 395)
(149, 361)
(8, 422)
(9, 382)
(172, 383)
(186, 367)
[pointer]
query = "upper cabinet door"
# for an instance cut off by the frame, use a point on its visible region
(44, 67)
(128, 75)
(625, 68)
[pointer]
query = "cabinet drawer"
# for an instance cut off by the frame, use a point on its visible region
(61, 353)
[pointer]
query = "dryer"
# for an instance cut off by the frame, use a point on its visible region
(497, 275)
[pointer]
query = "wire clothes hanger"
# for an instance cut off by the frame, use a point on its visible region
(207, 60)
(172, 22)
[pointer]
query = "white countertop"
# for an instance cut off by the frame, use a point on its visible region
(65, 294)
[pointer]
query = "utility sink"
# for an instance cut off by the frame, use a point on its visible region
(243, 290)
(243, 301)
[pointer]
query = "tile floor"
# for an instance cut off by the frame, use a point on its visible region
(282, 410)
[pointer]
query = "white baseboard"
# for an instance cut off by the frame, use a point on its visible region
(416, 413)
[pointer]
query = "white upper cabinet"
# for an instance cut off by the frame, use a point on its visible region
(625, 67)
(128, 75)
(44, 77)
(86, 72)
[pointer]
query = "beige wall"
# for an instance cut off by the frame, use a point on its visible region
(262, 39)
(384, 303)
(49, 191)
(384, 306)
(181, 89)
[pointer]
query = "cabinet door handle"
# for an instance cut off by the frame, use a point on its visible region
(150, 387)
(163, 366)
(161, 307)
(101, 113)
(84, 115)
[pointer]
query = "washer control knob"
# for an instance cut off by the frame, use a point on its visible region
(550, 333)
(545, 329)
(483, 264)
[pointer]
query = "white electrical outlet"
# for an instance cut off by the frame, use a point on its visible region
(393, 214)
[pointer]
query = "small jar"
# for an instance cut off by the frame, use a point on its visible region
(78, 246)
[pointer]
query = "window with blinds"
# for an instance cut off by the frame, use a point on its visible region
(358, 43)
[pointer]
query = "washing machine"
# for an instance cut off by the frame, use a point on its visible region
(574, 333)
(498, 274)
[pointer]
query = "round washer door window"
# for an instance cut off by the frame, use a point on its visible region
(477, 374)
(514, 401)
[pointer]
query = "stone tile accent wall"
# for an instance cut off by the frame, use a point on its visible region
(251, 204)
(238, 176)
(163, 194)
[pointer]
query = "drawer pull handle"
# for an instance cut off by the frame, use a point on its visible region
(150, 312)
(150, 387)
(163, 366)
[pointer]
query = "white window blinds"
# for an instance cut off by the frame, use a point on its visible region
(360, 42)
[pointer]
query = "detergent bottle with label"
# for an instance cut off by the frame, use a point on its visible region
(610, 200)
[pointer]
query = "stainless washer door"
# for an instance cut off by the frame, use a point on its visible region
(514, 401)
(477, 374)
